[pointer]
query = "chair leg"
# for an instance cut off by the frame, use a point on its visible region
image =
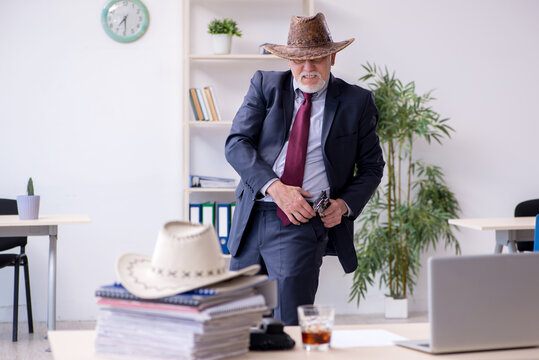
(28, 296)
(16, 299)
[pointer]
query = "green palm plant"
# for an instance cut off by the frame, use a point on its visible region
(409, 211)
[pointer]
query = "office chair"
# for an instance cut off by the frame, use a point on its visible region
(526, 208)
(9, 207)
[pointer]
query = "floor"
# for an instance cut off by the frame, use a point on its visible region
(36, 347)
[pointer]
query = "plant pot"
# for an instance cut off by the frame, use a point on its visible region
(396, 308)
(28, 207)
(221, 43)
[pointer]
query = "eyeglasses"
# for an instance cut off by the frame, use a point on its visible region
(316, 61)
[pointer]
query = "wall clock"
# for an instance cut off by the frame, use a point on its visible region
(125, 20)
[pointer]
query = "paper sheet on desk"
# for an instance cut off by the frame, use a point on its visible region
(363, 338)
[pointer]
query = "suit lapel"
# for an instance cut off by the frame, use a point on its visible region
(288, 105)
(332, 102)
(282, 129)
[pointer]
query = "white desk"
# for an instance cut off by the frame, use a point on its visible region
(46, 225)
(69, 345)
(507, 230)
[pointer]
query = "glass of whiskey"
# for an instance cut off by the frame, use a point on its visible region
(316, 323)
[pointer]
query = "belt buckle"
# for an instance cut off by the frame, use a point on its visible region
(321, 203)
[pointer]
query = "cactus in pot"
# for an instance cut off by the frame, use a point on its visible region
(28, 204)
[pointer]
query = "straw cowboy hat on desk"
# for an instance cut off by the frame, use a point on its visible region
(186, 257)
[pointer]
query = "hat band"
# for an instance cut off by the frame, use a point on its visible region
(187, 274)
(309, 44)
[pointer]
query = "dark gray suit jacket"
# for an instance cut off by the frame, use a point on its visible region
(349, 142)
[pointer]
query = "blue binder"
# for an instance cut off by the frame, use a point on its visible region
(223, 225)
(207, 215)
(195, 213)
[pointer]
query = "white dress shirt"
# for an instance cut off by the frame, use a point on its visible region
(315, 178)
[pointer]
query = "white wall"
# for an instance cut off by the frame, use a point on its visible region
(97, 123)
(481, 58)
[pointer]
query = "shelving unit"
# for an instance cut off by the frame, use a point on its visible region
(210, 123)
(233, 57)
(202, 68)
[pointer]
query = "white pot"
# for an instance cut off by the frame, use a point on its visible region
(396, 308)
(221, 43)
(28, 207)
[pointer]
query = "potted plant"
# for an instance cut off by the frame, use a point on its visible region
(28, 205)
(222, 31)
(409, 212)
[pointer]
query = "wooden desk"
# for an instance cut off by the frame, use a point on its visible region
(46, 225)
(68, 345)
(507, 230)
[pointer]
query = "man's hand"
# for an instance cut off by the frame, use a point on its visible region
(291, 200)
(333, 214)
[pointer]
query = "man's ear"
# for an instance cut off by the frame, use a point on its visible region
(333, 59)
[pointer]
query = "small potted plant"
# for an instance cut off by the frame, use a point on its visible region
(28, 205)
(222, 31)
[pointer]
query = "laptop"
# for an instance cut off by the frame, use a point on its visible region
(481, 302)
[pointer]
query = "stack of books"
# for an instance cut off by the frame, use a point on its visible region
(207, 323)
(204, 104)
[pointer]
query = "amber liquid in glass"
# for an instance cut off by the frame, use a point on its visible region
(319, 337)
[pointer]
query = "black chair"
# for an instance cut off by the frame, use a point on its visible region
(9, 207)
(527, 208)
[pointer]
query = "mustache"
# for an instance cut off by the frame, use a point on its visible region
(310, 73)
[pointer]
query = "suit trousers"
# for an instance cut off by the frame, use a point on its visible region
(291, 254)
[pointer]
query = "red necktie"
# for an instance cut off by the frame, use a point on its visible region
(294, 166)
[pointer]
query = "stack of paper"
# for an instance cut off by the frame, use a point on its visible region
(213, 324)
(212, 182)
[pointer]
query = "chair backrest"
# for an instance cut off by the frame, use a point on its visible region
(527, 208)
(9, 207)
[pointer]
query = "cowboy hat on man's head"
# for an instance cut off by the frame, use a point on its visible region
(308, 38)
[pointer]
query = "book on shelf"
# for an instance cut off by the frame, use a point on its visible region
(204, 104)
(197, 111)
(215, 104)
(209, 102)
(208, 90)
(211, 117)
(204, 181)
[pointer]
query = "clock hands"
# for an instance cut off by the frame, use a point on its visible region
(124, 20)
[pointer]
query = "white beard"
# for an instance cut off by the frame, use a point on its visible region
(311, 88)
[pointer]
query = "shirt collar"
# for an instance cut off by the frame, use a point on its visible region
(317, 95)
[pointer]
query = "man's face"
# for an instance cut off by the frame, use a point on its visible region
(311, 75)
